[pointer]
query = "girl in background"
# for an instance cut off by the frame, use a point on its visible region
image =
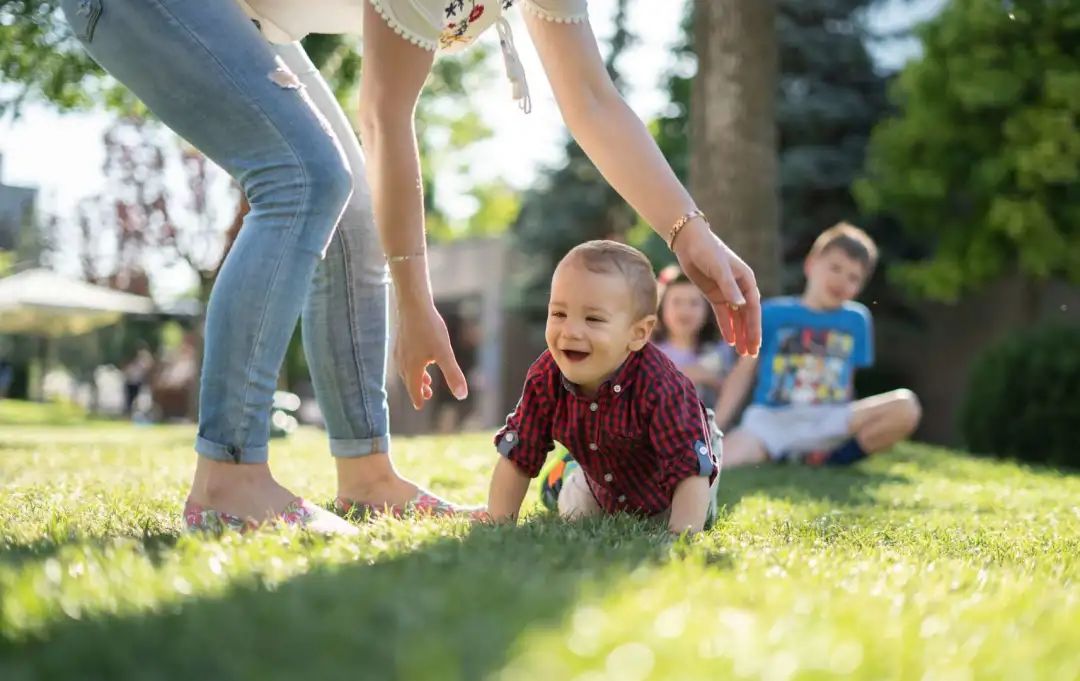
(685, 335)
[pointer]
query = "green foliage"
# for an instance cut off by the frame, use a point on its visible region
(1023, 398)
(40, 59)
(983, 162)
(921, 564)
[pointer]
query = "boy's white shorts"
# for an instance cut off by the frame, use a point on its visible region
(798, 429)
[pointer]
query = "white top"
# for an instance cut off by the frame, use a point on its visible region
(443, 25)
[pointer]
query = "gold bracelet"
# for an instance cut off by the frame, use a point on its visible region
(679, 224)
(403, 258)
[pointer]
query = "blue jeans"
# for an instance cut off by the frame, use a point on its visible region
(265, 115)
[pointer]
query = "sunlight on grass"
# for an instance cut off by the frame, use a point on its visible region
(924, 564)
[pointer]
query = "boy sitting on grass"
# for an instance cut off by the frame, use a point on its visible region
(640, 439)
(802, 407)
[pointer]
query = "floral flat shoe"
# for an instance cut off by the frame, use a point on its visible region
(425, 504)
(298, 513)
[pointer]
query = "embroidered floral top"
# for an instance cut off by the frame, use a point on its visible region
(436, 25)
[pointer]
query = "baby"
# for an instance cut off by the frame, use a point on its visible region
(641, 440)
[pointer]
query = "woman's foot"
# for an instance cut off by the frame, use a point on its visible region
(243, 496)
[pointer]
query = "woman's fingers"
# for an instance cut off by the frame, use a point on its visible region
(749, 321)
(414, 383)
(448, 365)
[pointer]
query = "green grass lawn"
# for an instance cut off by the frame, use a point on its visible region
(924, 565)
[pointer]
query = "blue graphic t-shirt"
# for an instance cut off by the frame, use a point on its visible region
(810, 356)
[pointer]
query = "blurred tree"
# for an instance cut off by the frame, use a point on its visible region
(733, 160)
(40, 60)
(157, 209)
(983, 160)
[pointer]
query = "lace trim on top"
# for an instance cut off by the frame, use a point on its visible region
(384, 12)
(535, 9)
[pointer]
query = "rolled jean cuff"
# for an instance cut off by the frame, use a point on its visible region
(351, 449)
(231, 453)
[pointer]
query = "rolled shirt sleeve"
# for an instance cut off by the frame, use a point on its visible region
(526, 438)
(682, 436)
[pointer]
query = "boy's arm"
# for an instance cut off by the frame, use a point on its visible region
(735, 389)
(689, 505)
(508, 487)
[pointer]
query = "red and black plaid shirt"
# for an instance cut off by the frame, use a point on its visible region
(643, 433)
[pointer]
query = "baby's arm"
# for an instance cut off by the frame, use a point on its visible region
(524, 442)
(508, 487)
(689, 505)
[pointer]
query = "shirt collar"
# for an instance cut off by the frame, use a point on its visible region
(615, 383)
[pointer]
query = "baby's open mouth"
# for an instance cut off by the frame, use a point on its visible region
(575, 355)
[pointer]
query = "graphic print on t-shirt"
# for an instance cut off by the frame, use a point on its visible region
(811, 366)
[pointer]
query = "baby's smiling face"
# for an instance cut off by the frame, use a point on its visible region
(592, 325)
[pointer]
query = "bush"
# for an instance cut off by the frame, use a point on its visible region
(1023, 398)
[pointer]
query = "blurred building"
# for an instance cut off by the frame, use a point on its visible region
(16, 210)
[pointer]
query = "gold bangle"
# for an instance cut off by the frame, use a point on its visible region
(403, 258)
(679, 224)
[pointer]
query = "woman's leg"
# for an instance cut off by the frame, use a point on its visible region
(204, 70)
(344, 324)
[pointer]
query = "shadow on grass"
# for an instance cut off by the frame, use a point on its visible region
(840, 486)
(452, 609)
(154, 543)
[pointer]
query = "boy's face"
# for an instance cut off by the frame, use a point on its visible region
(832, 278)
(591, 324)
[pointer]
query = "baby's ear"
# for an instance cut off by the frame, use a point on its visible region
(641, 331)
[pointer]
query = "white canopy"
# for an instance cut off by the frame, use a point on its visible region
(43, 303)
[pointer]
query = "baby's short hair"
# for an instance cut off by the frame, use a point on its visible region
(611, 257)
(854, 242)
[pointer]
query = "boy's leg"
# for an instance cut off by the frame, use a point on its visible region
(743, 448)
(576, 500)
(881, 421)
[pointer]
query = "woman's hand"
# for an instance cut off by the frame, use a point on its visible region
(726, 281)
(422, 340)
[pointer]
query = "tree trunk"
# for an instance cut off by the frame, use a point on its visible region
(733, 157)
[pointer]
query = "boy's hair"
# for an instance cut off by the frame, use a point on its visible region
(854, 242)
(611, 257)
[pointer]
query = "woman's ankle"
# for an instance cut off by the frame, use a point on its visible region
(233, 487)
(373, 479)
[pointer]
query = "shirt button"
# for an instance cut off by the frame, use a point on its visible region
(592, 446)
(617, 388)
(622, 498)
(608, 477)
(594, 406)
(703, 450)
